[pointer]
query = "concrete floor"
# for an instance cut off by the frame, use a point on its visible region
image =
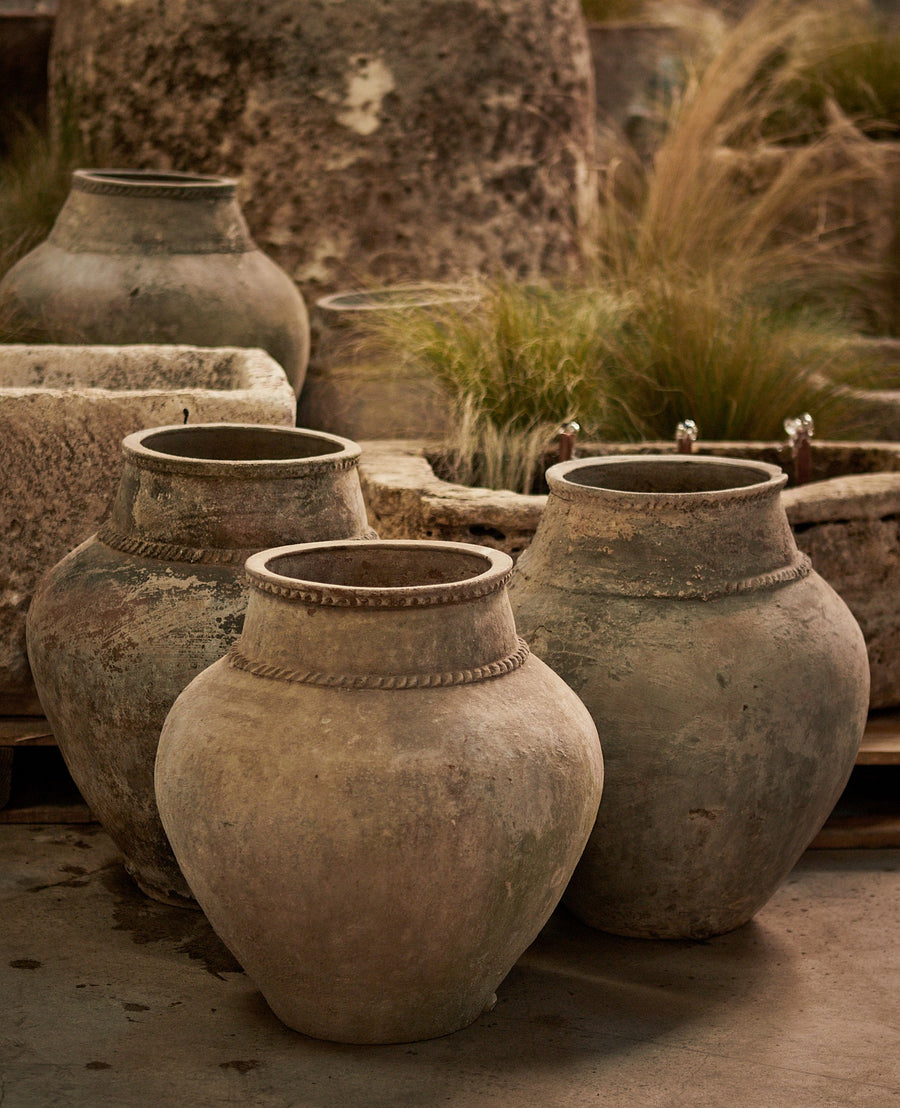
(109, 999)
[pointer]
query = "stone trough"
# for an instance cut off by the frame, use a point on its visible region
(847, 519)
(64, 411)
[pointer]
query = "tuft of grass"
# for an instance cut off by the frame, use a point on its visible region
(736, 366)
(35, 176)
(727, 278)
(718, 202)
(848, 59)
(516, 363)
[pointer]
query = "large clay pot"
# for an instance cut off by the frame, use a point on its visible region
(143, 257)
(118, 628)
(728, 680)
(379, 795)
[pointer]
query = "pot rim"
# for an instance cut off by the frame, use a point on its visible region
(771, 478)
(340, 453)
(496, 569)
(398, 297)
(148, 183)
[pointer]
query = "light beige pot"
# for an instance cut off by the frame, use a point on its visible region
(118, 628)
(729, 682)
(379, 795)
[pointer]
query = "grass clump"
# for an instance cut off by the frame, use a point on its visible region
(35, 176)
(515, 362)
(726, 279)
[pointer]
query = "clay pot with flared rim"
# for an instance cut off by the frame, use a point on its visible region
(118, 628)
(728, 680)
(379, 794)
(138, 256)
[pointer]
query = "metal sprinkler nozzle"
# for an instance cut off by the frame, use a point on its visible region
(800, 430)
(686, 434)
(567, 436)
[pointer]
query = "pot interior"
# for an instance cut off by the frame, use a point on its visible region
(240, 443)
(667, 476)
(380, 565)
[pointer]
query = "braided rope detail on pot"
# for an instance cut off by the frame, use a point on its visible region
(167, 551)
(794, 572)
(208, 190)
(638, 590)
(379, 680)
(170, 552)
(386, 598)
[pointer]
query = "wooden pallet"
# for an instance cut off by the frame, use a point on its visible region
(60, 802)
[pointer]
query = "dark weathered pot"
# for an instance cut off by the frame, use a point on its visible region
(729, 683)
(143, 257)
(379, 795)
(118, 628)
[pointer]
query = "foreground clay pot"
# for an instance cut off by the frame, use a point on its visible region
(142, 257)
(379, 795)
(118, 628)
(728, 680)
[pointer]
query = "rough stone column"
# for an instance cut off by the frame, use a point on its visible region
(399, 140)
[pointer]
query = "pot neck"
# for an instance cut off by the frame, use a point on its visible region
(394, 614)
(678, 527)
(215, 493)
(133, 211)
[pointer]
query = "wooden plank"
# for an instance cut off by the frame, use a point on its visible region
(63, 812)
(881, 739)
(859, 832)
(25, 731)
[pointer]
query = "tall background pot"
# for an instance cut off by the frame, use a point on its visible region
(729, 682)
(137, 256)
(118, 628)
(407, 788)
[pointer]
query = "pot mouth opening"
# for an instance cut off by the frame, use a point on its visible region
(238, 442)
(159, 182)
(399, 573)
(396, 297)
(667, 476)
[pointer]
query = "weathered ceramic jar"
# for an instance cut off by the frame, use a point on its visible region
(379, 794)
(142, 257)
(118, 628)
(728, 680)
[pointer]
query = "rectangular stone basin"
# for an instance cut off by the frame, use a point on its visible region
(64, 411)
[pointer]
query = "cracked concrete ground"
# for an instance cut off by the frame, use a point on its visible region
(110, 1000)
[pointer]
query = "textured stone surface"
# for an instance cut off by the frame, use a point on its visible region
(64, 411)
(406, 500)
(850, 527)
(398, 139)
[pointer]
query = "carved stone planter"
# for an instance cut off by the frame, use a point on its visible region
(64, 411)
(847, 520)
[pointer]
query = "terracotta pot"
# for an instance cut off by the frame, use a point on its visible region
(118, 628)
(143, 257)
(728, 680)
(379, 795)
